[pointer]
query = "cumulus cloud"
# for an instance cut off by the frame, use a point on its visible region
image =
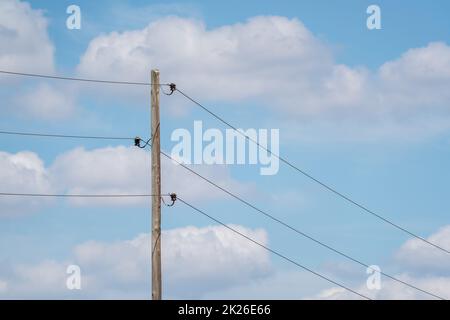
(46, 276)
(24, 42)
(201, 259)
(211, 262)
(422, 265)
(26, 47)
(221, 60)
(278, 62)
(418, 256)
(3, 286)
(45, 101)
(213, 256)
(416, 82)
(118, 170)
(392, 290)
(281, 284)
(110, 170)
(21, 173)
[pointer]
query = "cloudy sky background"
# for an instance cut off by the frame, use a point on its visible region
(366, 111)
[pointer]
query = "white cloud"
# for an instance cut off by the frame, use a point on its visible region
(416, 82)
(279, 63)
(24, 42)
(25, 47)
(392, 290)
(110, 170)
(419, 256)
(21, 173)
(126, 170)
(282, 284)
(332, 292)
(45, 101)
(202, 263)
(3, 286)
(47, 276)
(425, 64)
(205, 259)
(231, 62)
(201, 259)
(422, 266)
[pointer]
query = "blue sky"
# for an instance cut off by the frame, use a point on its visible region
(365, 111)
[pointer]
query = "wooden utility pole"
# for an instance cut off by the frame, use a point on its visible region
(156, 188)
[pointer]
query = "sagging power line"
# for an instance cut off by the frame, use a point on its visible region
(173, 198)
(294, 229)
(46, 76)
(234, 195)
(239, 198)
(272, 250)
(50, 135)
(309, 176)
(137, 141)
(68, 195)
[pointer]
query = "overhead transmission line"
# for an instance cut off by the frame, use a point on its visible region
(34, 134)
(46, 76)
(137, 141)
(272, 250)
(309, 176)
(281, 222)
(173, 88)
(282, 159)
(64, 195)
(294, 229)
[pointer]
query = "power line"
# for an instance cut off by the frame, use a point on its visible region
(324, 185)
(33, 134)
(279, 221)
(329, 188)
(63, 195)
(272, 250)
(46, 76)
(207, 180)
(210, 182)
(265, 213)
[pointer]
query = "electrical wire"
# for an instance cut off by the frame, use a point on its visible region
(214, 184)
(272, 250)
(299, 232)
(324, 185)
(36, 75)
(137, 139)
(63, 195)
(63, 135)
